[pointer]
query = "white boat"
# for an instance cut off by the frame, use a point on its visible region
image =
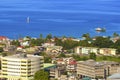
(100, 29)
(28, 20)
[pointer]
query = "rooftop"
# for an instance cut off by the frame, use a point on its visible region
(22, 56)
(94, 63)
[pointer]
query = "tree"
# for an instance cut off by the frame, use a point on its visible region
(1, 49)
(86, 36)
(49, 36)
(41, 75)
(102, 42)
(15, 42)
(41, 36)
(93, 56)
(62, 55)
(115, 34)
(47, 59)
(4, 54)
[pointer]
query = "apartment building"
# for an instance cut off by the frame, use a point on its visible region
(20, 66)
(93, 69)
(87, 50)
(107, 51)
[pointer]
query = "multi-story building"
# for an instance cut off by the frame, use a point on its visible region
(57, 71)
(87, 50)
(94, 69)
(107, 51)
(20, 66)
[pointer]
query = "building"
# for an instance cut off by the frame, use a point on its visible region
(107, 51)
(86, 50)
(48, 44)
(93, 69)
(4, 42)
(56, 72)
(115, 76)
(54, 49)
(20, 66)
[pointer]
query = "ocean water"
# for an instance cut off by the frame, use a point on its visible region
(58, 17)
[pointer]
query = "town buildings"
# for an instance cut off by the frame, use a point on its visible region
(20, 66)
(87, 50)
(93, 69)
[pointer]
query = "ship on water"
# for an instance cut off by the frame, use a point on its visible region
(100, 29)
(28, 20)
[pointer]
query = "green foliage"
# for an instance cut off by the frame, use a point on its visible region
(62, 55)
(41, 75)
(102, 42)
(86, 36)
(115, 34)
(108, 58)
(93, 56)
(67, 44)
(1, 49)
(41, 36)
(80, 58)
(49, 36)
(4, 54)
(117, 46)
(36, 42)
(47, 59)
(43, 54)
(84, 43)
(15, 42)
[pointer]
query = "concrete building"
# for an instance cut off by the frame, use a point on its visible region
(20, 66)
(56, 72)
(93, 69)
(115, 76)
(54, 49)
(107, 51)
(85, 50)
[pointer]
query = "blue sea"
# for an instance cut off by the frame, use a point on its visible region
(58, 17)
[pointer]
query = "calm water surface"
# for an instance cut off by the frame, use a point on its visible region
(58, 17)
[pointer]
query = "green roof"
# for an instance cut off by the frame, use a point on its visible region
(46, 65)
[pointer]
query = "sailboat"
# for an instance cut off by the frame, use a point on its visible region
(28, 20)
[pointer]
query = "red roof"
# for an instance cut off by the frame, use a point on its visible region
(73, 62)
(20, 47)
(3, 37)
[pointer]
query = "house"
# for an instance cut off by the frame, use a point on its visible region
(4, 42)
(48, 44)
(3, 39)
(20, 48)
(86, 50)
(54, 49)
(25, 43)
(31, 49)
(107, 51)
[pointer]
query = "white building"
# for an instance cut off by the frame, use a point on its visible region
(108, 51)
(20, 66)
(85, 50)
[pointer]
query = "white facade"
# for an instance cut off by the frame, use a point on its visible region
(86, 50)
(21, 67)
(107, 51)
